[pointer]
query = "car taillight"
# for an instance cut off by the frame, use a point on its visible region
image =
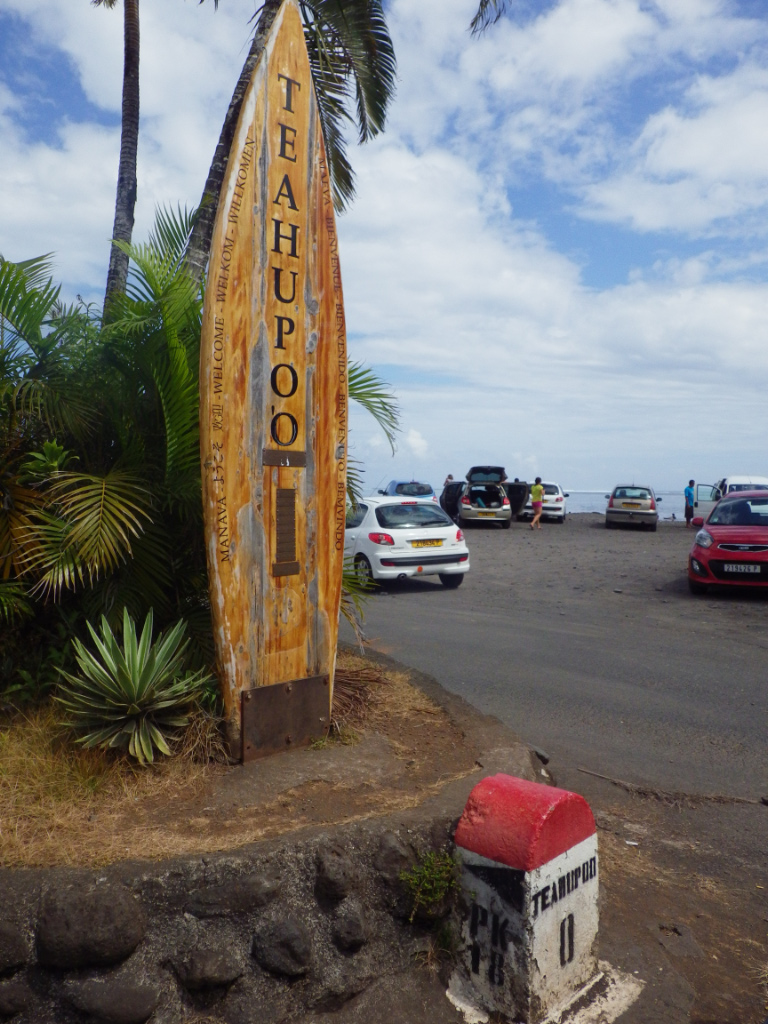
(505, 502)
(459, 535)
(610, 502)
(407, 502)
(653, 504)
(465, 500)
(381, 538)
(559, 497)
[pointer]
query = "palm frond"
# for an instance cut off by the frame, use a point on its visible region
(367, 389)
(105, 512)
(25, 305)
(353, 64)
(487, 14)
(14, 603)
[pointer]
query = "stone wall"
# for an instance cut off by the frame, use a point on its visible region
(261, 935)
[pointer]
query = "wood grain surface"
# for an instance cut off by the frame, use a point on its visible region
(273, 410)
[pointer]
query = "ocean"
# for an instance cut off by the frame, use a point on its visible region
(672, 502)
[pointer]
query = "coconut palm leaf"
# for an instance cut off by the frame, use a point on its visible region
(374, 395)
(105, 512)
(351, 56)
(14, 603)
(488, 13)
(18, 507)
(24, 306)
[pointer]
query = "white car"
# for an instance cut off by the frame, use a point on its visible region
(392, 538)
(553, 504)
(706, 496)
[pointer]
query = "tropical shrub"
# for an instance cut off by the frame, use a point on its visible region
(138, 697)
(100, 491)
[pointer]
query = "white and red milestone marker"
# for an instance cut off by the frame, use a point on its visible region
(529, 870)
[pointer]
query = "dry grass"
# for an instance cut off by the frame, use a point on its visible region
(62, 804)
(365, 693)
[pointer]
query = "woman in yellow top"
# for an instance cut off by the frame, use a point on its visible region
(537, 500)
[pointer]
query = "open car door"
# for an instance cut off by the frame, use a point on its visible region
(705, 497)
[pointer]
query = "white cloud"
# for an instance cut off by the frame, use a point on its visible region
(415, 443)
(647, 114)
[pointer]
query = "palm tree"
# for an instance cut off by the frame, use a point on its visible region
(125, 199)
(352, 60)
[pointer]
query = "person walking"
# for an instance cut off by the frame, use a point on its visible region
(537, 503)
(689, 504)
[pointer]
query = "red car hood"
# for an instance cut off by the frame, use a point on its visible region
(738, 534)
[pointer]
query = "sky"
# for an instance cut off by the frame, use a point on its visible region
(558, 252)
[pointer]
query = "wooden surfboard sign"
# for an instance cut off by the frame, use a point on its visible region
(273, 411)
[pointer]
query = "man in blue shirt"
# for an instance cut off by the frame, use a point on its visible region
(689, 503)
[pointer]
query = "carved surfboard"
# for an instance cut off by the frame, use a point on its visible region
(273, 411)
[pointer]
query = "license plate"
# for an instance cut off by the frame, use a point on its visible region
(740, 567)
(630, 504)
(486, 513)
(426, 543)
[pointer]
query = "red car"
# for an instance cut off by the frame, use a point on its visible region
(731, 547)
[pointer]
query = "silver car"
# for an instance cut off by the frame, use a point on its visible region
(629, 503)
(484, 498)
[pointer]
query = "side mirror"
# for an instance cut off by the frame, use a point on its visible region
(380, 491)
(698, 520)
(566, 495)
(607, 496)
(659, 499)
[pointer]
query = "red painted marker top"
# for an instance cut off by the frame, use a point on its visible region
(522, 824)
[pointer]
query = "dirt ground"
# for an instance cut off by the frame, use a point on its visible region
(395, 746)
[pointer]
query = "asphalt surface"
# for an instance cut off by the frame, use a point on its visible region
(588, 644)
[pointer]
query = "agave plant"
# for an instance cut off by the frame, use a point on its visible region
(137, 697)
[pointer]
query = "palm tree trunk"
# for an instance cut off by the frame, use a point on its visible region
(125, 200)
(200, 239)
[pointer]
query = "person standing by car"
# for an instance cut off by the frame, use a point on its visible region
(537, 503)
(689, 504)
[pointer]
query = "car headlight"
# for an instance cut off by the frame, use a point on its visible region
(704, 539)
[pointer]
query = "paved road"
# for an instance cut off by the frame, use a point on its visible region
(588, 644)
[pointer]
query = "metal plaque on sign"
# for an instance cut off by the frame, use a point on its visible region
(284, 716)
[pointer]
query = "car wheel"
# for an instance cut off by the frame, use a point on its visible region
(465, 523)
(652, 527)
(561, 520)
(451, 579)
(506, 523)
(608, 524)
(364, 571)
(697, 588)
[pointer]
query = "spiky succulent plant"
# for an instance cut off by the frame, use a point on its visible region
(137, 697)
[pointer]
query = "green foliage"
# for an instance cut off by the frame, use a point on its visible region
(100, 489)
(353, 66)
(431, 882)
(137, 697)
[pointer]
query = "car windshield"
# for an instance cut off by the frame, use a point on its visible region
(551, 489)
(407, 516)
(634, 493)
(413, 490)
(740, 512)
